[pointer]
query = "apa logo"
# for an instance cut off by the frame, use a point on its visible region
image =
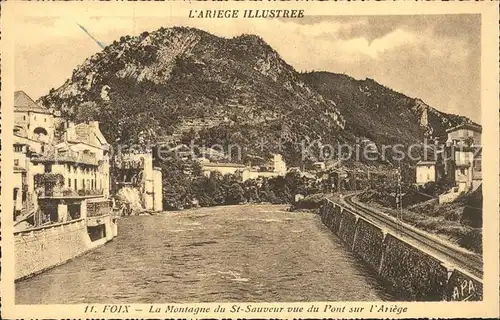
(464, 292)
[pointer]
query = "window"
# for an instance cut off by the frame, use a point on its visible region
(16, 162)
(76, 185)
(69, 182)
(24, 117)
(48, 168)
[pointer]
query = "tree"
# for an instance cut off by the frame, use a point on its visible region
(235, 194)
(87, 111)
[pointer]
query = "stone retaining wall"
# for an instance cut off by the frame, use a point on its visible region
(369, 243)
(42, 248)
(347, 227)
(416, 275)
(410, 273)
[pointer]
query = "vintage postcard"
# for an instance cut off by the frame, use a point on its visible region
(249, 159)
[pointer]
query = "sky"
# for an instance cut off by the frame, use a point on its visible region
(432, 57)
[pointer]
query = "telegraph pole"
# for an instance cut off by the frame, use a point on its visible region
(354, 177)
(339, 172)
(400, 192)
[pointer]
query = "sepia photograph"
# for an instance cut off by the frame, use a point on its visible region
(248, 160)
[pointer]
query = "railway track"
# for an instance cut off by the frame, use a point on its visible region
(469, 262)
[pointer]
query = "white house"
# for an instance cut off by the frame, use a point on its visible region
(425, 172)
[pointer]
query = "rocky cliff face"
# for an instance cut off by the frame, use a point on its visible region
(145, 88)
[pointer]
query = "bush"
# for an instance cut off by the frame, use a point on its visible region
(235, 194)
(472, 216)
(452, 215)
(48, 182)
(472, 240)
(310, 202)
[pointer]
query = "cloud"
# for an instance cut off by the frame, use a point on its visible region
(360, 45)
(324, 28)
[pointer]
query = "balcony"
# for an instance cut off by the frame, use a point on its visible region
(67, 156)
(70, 193)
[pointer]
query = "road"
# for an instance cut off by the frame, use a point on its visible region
(256, 253)
(467, 261)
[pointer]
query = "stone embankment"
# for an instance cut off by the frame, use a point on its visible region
(409, 272)
(39, 249)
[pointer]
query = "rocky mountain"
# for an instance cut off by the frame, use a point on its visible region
(232, 91)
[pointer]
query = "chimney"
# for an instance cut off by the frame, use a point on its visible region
(94, 124)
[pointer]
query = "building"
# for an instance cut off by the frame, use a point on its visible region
(469, 134)
(72, 173)
(276, 167)
(425, 172)
(24, 196)
(32, 120)
(249, 173)
(138, 181)
(88, 140)
(463, 156)
(279, 165)
(222, 168)
(59, 168)
(319, 166)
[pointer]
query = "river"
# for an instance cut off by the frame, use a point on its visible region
(251, 253)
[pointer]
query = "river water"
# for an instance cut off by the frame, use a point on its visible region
(248, 253)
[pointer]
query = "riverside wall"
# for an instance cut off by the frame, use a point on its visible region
(39, 249)
(407, 271)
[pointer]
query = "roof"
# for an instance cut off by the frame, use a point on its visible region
(95, 129)
(426, 163)
(23, 103)
(33, 144)
(236, 165)
(470, 126)
(86, 133)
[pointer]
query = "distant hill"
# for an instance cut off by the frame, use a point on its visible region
(232, 91)
(379, 113)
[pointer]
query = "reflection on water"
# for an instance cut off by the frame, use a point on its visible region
(234, 253)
